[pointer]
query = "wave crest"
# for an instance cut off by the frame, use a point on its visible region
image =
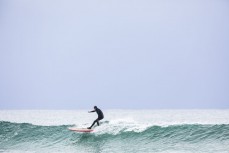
(189, 132)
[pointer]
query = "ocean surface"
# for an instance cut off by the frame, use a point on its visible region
(127, 131)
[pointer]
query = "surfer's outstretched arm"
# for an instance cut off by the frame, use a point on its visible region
(91, 111)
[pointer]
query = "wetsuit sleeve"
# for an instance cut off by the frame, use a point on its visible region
(91, 111)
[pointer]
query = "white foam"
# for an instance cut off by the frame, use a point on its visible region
(120, 119)
(118, 125)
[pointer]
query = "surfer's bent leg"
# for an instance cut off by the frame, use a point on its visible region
(98, 119)
(94, 123)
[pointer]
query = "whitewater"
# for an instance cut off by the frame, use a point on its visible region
(128, 131)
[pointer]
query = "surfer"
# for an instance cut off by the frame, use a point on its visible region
(100, 116)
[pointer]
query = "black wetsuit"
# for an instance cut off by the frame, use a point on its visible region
(100, 117)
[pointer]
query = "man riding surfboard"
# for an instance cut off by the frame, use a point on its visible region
(100, 116)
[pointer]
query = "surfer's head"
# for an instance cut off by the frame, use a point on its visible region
(95, 107)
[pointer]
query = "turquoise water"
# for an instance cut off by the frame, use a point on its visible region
(117, 134)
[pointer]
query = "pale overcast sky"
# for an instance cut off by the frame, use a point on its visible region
(75, 54)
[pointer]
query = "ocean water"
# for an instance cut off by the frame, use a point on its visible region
(127, 131)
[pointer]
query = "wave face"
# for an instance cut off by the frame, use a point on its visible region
(25, 137)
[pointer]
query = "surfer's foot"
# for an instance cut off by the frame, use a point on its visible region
(89, 128)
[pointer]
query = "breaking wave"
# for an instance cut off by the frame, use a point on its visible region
(26, 136)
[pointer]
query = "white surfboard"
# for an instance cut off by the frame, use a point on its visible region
(80, 129)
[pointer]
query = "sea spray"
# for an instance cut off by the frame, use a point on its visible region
(28, 137)
(157, 131)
